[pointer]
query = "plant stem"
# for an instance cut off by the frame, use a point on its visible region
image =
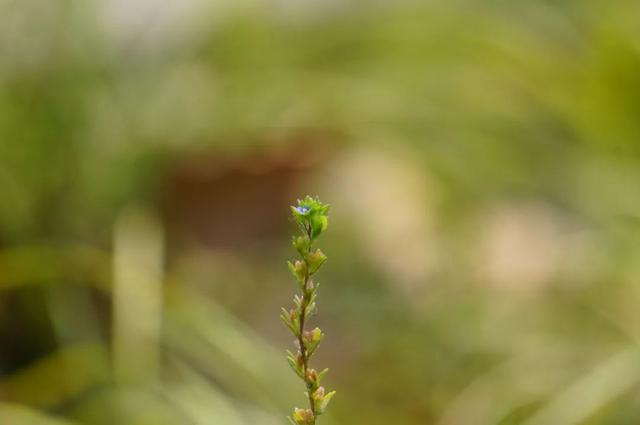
(306, 293)
(311, 215)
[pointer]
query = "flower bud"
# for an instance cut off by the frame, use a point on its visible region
(298, 270)
(310, 286)
(301, 244)
(318, 394)
(316, 259)
(303, 416)
(312, 375)
(320, 400)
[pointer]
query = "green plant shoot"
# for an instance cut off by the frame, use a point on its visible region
(311, 216)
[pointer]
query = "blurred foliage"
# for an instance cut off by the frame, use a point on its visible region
(482, 161)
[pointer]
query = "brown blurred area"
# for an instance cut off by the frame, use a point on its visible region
(230, 201)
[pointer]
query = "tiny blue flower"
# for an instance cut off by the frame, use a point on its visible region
(303, 210)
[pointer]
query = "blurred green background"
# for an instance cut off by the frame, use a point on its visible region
(482, 159)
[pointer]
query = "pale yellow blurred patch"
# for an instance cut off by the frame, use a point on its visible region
(389, 199)
(520, 246)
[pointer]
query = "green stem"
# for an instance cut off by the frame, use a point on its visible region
(306, 297)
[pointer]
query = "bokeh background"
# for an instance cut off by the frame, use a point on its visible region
(482, 159)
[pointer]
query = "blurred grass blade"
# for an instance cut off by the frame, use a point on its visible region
(201, 401)
(73, 370)
(137, 296)
(223, 347)
(44, 264)
(580, 401)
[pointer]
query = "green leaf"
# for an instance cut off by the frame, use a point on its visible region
(322, 374)
(292, 324)
(319, 224)
(322, 407)
(295, 364)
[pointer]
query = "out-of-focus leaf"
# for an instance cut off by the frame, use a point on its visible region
(130, 405)
(48, 264)
(16, 414)
(59, 377)
(221, 346)
(607, 382)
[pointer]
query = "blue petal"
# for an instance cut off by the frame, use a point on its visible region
(303, 210)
